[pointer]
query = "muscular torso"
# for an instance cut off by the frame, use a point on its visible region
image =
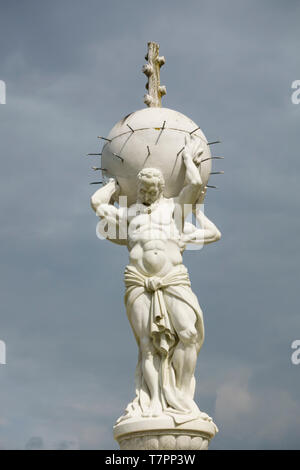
(153, 239)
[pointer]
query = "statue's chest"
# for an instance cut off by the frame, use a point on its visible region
(159, 217)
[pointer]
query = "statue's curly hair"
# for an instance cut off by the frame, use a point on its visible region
(150, 175)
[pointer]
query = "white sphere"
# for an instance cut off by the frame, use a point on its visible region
(157, 142)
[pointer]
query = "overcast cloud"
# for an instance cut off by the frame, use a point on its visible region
(72, 70)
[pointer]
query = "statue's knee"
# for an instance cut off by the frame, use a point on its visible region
(188, 335)
(146, 345)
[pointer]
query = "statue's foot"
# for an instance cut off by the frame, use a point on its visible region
(205, 416)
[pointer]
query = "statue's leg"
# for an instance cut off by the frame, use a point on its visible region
(185, 354)
(139, 315)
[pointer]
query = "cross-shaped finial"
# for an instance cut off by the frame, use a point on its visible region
(152, 70)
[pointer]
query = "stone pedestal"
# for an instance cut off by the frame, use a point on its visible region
(163, 434)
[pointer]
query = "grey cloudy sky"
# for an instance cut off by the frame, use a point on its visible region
(72, 69)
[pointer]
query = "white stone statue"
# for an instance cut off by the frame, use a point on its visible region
(162, 309)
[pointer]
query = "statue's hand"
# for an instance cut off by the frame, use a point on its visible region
(115, 188)
(114, 182)
(193, 149)
(202, 195)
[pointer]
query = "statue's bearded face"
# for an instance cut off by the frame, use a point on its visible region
(148, 192)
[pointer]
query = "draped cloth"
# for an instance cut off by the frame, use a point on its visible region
(165, 339)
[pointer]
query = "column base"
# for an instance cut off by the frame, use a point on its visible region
(163, 433)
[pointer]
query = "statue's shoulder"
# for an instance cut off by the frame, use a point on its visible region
(166, 200)
(134, 210)
(169, 201)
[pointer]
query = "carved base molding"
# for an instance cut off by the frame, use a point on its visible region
(163, 434)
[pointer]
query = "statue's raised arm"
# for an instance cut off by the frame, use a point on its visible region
(191, 157)
(207, 233)
(102, 202)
